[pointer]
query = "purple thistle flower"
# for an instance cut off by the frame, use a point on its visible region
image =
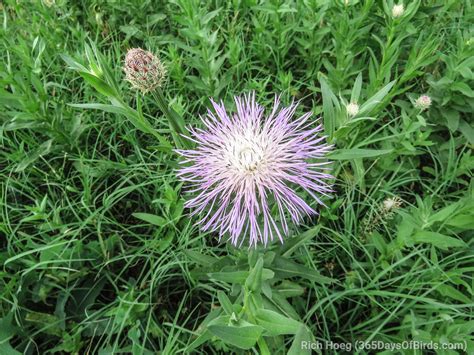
(244, 164)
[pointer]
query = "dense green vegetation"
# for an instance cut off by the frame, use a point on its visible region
(98, 254)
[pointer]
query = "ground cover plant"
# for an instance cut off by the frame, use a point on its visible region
(99, 253)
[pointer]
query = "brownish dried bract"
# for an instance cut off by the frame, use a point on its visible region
(143, 70)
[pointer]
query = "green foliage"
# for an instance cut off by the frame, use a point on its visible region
(258, 310)
(98, 254)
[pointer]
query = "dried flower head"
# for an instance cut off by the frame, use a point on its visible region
(143, 70)
(398, 10)
(385, 211)
(248, 165)
(423, 102)
(390, 204)
(352, 109)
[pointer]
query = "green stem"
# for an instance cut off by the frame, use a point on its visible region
(383, 62)
(174, 119)
(262, 344)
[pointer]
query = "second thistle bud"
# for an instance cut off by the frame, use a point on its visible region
(352, 109)
(398, 10)
(144, 70)
(423, 102)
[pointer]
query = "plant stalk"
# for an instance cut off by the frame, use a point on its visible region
(175, 121)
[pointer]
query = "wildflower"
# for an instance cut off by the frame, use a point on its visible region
(143, 70)
(390, 204)
(246, 164)
(352, 109)
(398, 10)
(423, 102)
(330, 265)
(385, 212)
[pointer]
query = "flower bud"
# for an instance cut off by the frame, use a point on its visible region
(398, 10)
(423, 102)
(352, 109)
(143, 70)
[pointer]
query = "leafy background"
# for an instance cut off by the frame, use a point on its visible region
(97, 252)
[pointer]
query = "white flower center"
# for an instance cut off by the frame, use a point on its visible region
(245, 153)
(248, 159)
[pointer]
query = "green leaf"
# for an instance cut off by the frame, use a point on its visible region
(285, 268)
(7, 330)
(102, 107)
(293, 244)
(73, 64)
(243, 336)
(302, 337)
(225, 302)
(201, 339)
(356, 88)
(449, 291)
(376, 99)
(43, 149)
(48, 323)
(452, 118)
(275, 323)
(329, 101)
(405, 230)
(463, 88)
(130, 31)
(281, 304)
(355, 153)
(36, 250)
(444, 213)
(467, 131)
(290, 289)
(229, 276)
(6, 349)
(438, 240)
(133, 116)
(378, 242)
(100, 85)
(238, 276)
(254, 280)
(151, 218)
(203, 333)
(463, 221)
(200, 258)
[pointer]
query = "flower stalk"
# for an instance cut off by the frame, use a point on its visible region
(146, 72)
(175, 121)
